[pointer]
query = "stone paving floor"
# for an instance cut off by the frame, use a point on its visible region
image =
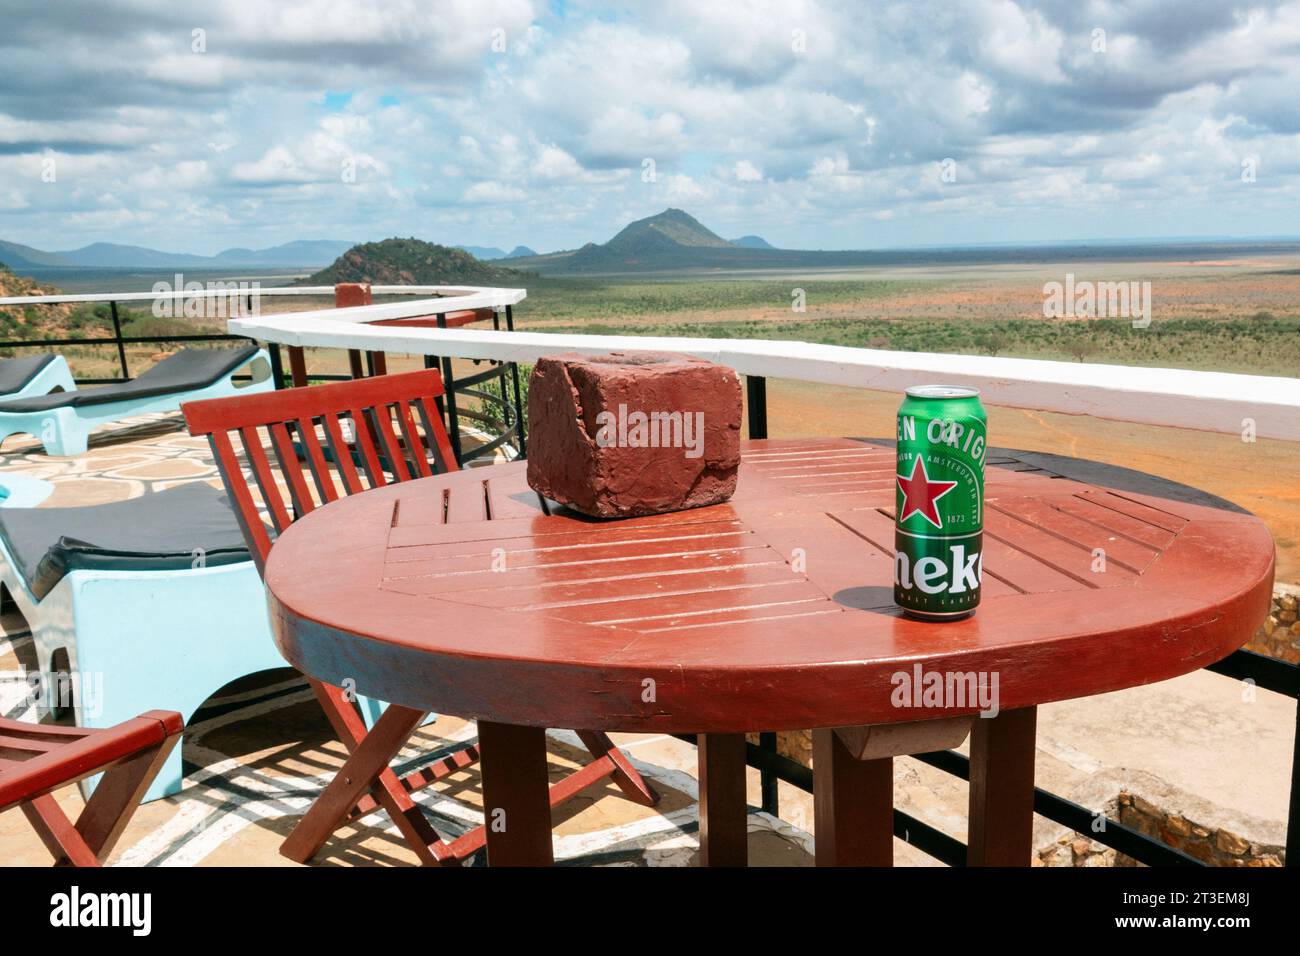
(260, 749)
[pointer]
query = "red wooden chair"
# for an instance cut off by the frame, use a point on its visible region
(386, 445)
(37, 759)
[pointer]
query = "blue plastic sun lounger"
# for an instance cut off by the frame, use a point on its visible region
(63, 421)
(149, 599)
(34, 375)
(149, 602)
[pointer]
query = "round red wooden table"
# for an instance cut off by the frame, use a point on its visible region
(773, 611)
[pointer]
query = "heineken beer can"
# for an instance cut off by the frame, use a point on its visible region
(939, 502)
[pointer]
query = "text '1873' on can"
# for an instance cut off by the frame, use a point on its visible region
(939, 500)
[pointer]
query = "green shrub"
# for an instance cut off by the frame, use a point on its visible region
(492, 410)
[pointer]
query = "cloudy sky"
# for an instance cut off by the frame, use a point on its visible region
(196, 127)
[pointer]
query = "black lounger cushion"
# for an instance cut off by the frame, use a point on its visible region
(17, 373)
(185, 371)
(156, 532)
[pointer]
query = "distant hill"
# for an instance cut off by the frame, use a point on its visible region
(15, 321)
(111, 255)
(673, 239)
(411, 262)
(489, 253)
(672, 226)
(16, 285)
(484, 252)
(303, 252)
(25, 257)
(669, 241)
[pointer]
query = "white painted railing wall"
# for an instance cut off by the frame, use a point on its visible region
(1207, 401)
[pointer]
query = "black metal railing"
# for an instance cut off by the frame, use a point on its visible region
(505, 410)
(508, 404)
(121, 342)
(1274, 675)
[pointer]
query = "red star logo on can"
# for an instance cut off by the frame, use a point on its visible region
(920, 494)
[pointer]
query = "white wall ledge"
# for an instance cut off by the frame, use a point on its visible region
(1205, 401)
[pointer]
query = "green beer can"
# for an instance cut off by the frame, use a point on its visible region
(939, 502)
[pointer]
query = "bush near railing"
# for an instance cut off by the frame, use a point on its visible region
(505, 399)
(93, 325)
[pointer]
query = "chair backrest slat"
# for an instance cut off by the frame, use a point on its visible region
(287, 457)
(232, 476)
(290, 419)
(364, 435)
(256, 455)
(342, 455)
(439, 442)
(412, 439)
(320, 472)
(383, 418)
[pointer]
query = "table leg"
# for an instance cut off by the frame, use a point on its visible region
(723, 823)
(853, 805)
(516, 794)
(297, 366)
(1002, 789)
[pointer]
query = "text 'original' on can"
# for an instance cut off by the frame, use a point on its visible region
(939, 502)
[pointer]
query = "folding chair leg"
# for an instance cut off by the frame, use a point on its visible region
(118, 794)
(424, 777)
(366, 782)
(351, 730)
(57, 832)
(623, 773)
(366, 770)
(106, 814)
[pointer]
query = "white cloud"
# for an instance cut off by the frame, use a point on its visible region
(838, 141)
(490, 192)
(1139, 167)
(278, 165)
(679, 189)
(554, 163)
(1021, 42)
(200, 71)
(623, 134)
